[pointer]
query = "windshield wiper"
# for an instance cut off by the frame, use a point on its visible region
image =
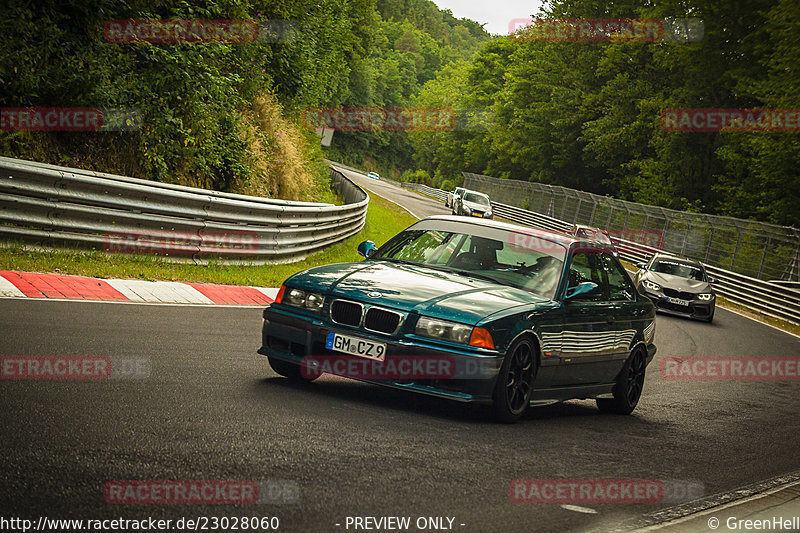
(398, 261)
(472, 274)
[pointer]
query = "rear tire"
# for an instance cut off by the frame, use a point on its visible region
(514, 386)
(289, 370)
(628, 389)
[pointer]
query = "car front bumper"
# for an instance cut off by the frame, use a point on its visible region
(697, 309)
(292, 338)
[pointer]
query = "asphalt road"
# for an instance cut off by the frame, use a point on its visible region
(420, 206)
(211, 409)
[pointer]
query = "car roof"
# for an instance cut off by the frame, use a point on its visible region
(677, 259)
(485, 222)
(477, 192)
(593, 228)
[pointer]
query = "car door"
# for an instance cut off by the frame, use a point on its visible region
(629, 315)
(589, 335)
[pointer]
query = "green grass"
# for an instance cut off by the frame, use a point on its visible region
(384, 220)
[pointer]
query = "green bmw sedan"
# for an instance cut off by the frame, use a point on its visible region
(471, 310)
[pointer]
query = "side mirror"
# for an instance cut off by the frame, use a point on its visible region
(584, 289)
(366, 249)
(712, 279)
(641, 266)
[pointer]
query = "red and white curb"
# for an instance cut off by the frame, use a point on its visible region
(54, 286)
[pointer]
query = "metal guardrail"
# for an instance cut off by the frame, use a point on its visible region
(424, 189)
(756, 249)
(48, 204)
(769, 298)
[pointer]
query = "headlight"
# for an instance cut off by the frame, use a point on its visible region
(440, 329)
(305, 300)
(705, 296)
(488, 213)
(652, 286)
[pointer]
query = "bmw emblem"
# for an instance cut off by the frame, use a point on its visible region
(375, 294)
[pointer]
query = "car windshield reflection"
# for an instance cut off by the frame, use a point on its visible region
(679, 269)
(476, 198)
(499, 260)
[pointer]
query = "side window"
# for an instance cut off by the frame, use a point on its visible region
(585, 267)
(619, 286)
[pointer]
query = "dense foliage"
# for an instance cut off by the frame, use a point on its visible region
(196, 100)
(586, 115)
(413, 41)
(583, 115)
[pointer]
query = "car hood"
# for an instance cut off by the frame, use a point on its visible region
(434, 293)
(475, 205)
(678, 283)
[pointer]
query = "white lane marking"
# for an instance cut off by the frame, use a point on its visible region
(757, 320)
(128, 302)
(159, 291)
(410, 212)
(578, 508)
(7, 289)
(718, 508)
(269, 293)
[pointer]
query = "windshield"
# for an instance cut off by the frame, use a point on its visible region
(476, 198)
(508, 259)
(681, 270)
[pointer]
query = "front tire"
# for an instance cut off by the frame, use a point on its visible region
(514, 386)
(289, 370)
(629, 386)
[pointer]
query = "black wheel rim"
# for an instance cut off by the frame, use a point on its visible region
(635, 379)
(519, 378)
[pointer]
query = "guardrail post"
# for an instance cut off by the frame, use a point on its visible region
(594, 210)
(736, 249)
(710, 240)
(795, 264)
(764, 257)
(685, 238)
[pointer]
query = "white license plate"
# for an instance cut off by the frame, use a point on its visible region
(356, 346)
(678, 301)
